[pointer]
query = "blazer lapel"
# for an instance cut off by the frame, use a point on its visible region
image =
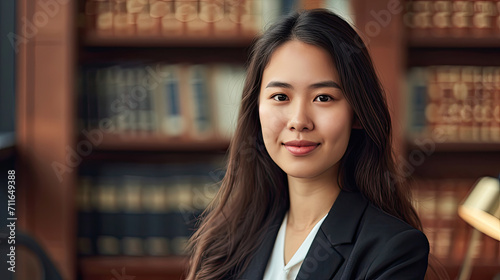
(258, 264)
(325, 255)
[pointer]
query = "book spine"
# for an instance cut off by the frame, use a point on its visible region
(487, 104)
(121, 26)
(495, 133)
(433, 108)
(496, 28)
(447, 206)
(441, 18)
(461, 231)
(461, 19)
(200, 97)
(186, 12)
(143, 95)
(225, 26)
(170, 25)
(477, 104)
(427, 206)
(86, 228)
(156, 205)
(465, 93)
(176, 124)
(109, 223)
(104, 18)
(228, 88)
(100, 94)
(446, 123)
(131, 216)
(180, 215)
(417, 100)
(147, 25)
(420, 17)
(484, 16)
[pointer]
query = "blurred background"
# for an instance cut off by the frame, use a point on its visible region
(116, 116)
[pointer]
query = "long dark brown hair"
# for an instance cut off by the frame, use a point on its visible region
(255, 190)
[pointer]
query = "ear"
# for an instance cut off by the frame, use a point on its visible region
(355, 123)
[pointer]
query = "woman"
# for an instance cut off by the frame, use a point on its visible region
(309, 190)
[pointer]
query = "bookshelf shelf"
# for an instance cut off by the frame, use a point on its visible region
(493, 147)
(471, 41)
(156, 142)
(474, 56)
(93, 40)
(151, 268)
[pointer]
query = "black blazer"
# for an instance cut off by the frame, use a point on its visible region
(356, 241)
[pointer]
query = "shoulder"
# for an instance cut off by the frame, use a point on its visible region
(380, 227)
(394, 242)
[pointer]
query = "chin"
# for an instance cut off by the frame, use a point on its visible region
(301, 173)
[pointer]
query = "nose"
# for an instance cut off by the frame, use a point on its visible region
(300, 119)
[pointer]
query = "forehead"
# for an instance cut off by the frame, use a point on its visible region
(299, 62)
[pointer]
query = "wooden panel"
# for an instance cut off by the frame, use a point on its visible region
(312, 4)
(51, 20)
(380, 24)
(45, 117)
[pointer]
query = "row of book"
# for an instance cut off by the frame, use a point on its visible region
(455, 18)
(436, 202)
(198, 101)
(140, 210)
(179, 18)
(454, 103)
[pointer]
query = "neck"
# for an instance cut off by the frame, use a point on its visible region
(310, 200)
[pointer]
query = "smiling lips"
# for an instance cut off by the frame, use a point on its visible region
(300, 148)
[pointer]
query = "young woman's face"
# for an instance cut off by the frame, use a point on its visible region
(301, 100)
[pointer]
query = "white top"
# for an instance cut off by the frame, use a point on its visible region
(276, 268)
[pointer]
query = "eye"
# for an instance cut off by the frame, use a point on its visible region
(279, 97)
(324, 98)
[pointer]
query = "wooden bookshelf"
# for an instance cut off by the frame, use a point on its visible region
(459, 147)
(478, 41)
(396, 49)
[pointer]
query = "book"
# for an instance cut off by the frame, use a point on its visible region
(495, 131)
(169, 108)
(108, 224)
(452, 18)
(417, 100)
(199, 91)
(446, 214)
(86, 217)
(461, 103)
(461, 19)
(195, 101)
(155, 202)
(131, 215)
(228, 88)
(441, 18)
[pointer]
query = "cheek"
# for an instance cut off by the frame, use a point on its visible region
(337, 125)
(272, 122)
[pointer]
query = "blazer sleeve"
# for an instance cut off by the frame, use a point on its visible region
(404, 256)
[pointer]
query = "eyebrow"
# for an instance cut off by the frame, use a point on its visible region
(313, 86)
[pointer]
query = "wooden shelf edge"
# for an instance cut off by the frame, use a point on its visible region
(471, 41)
(145, 141)
(101, 265)
(95, 40)
(413, 143)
